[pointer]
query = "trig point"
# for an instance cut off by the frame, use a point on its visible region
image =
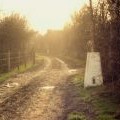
(93, 72)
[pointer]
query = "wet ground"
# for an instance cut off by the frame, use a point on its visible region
(42, 94)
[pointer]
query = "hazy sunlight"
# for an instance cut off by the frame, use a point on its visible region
(43, 14)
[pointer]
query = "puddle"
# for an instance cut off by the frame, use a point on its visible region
(73, 71)
(47, 88)
(11, 85)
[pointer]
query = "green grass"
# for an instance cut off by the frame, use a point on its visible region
(5, 76)
(22, 69)
(76, 116)
(105, 107)
(105, 117)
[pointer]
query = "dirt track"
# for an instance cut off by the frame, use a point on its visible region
(45, 94)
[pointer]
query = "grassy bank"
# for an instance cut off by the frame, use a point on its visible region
(103, 102)
(22, 69)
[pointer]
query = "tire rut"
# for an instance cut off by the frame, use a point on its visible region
(18, 102)
(50, 95)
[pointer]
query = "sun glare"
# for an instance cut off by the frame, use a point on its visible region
(43, 14)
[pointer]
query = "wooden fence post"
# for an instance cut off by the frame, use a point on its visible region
(25, 59)
(19, 60)
(9, 62)
(33, 55)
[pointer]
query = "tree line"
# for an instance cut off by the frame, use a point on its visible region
(15, 34)
(73, 39)
(16, 38)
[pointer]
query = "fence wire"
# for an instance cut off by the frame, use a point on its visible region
(9, 60)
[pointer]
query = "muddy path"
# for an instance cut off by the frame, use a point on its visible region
(46, 94)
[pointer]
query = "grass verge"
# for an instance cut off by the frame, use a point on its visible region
(22, 69)
(76, 116)
(104, 103)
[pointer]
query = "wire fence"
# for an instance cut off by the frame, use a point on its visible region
(9, 60)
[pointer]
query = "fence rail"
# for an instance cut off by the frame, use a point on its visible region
(9, 60)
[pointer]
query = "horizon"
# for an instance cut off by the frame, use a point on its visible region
(43, 15)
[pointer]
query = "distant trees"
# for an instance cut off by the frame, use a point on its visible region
(107, 41)
(81, 31)
(15, 34)
(107, 31)
(17, 42)
(73, 39)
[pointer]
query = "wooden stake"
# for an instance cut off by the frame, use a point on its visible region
(9, 64)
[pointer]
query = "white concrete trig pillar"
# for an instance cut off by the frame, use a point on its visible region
(93, 72)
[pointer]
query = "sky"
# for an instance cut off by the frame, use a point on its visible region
(43, 14)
